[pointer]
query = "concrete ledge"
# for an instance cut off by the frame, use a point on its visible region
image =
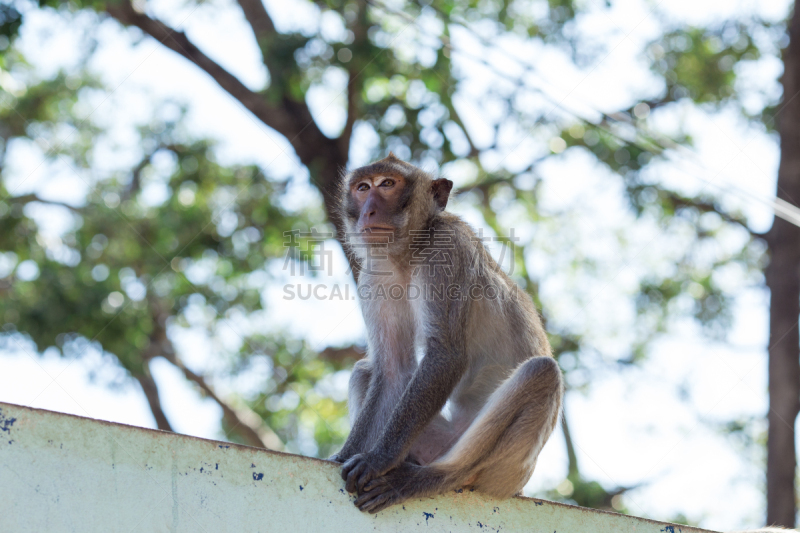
(62, 473)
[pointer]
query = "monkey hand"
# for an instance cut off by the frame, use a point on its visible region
(344, 455)
(361, 469)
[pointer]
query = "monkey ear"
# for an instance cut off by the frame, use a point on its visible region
(441, 191)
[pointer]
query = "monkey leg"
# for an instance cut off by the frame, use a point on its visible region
(497, 452)
(356, 394)
(505, 440)
(357, 388)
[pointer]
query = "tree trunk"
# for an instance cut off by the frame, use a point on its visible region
(783, 280)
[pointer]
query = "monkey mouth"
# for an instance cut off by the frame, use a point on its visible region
(377, 235)
(377, 229)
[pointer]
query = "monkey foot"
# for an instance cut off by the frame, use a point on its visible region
(394, 487)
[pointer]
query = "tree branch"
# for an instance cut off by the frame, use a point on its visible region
(704, 206)
(456, 117)
(291, 119)
(259, 20)
(28, 198)
(359, 27)
(136, 176)
(573, 472)
(240, 419)
(324, 157)
(353, 90)
(150, 390)
(484, 184)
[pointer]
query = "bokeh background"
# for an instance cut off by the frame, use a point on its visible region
(164, 163)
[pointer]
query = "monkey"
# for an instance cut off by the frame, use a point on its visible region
(486, 353)
(445, 327)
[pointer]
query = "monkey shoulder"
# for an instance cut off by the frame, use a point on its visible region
(465, 238)
(447, 246)
(446, 224)
(475, 268)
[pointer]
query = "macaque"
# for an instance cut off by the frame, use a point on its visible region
(459, 387)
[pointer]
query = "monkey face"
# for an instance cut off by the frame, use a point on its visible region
(384, 202)
(377, 206)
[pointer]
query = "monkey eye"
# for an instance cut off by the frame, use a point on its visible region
(387, 182)
(362, 187)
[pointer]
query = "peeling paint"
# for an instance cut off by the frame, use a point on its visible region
(6, 422)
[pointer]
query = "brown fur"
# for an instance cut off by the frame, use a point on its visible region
(488, 356)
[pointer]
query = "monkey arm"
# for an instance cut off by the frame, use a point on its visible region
(364, 422)
(432, 384)
(434, 380)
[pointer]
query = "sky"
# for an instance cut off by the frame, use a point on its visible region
(634, 424)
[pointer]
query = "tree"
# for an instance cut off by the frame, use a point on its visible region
(783, 280)
(408, 75)
(109, 282)
(127, 269)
